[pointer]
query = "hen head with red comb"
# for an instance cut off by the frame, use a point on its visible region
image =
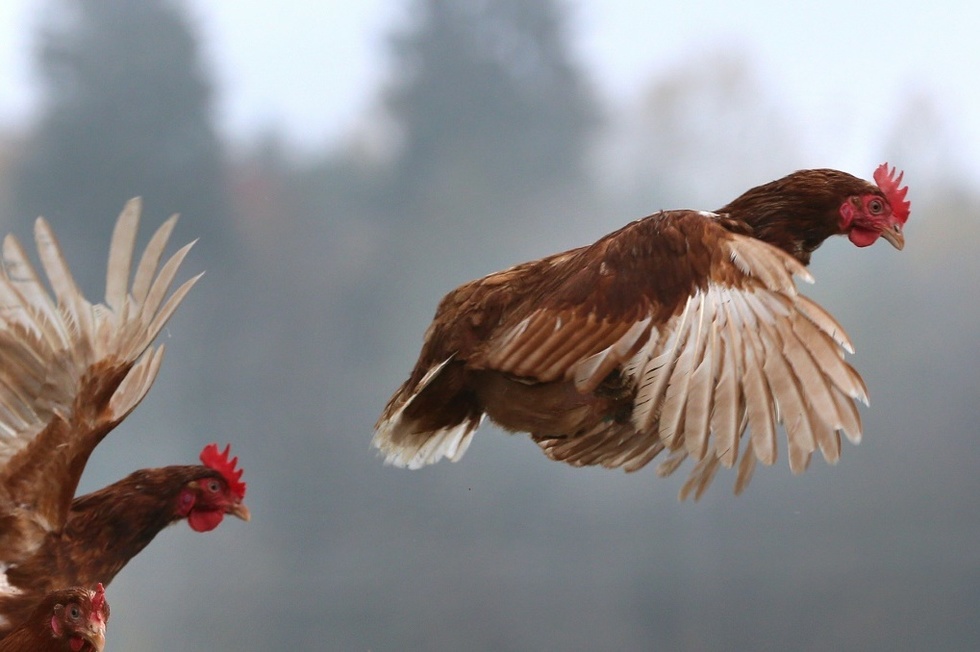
(881, 213)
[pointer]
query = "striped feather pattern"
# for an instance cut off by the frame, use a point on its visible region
(744, 359)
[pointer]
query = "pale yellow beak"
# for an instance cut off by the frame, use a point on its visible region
(241, 511)
(94, 635)
(893, 234)
(98, 640)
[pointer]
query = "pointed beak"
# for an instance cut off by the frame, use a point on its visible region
(241, 511)
(893, 234)
(94, 636)
(97, 639)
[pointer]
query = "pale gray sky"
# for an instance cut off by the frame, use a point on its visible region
(839, 67)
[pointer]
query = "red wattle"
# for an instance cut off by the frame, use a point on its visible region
(204, 520)
(863, 237)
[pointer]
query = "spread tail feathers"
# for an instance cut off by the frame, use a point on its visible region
(405, 443)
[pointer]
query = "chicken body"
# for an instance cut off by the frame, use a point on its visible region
(681, 332)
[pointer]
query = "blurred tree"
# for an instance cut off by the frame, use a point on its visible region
(925, 141)
(127, 112)
(489, 104)
(481, 136)
(475, 160)
(702, 130)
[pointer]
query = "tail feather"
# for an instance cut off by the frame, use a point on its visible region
(413, 450)
(406, 443)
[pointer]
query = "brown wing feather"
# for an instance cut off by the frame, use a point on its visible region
(582, 303)
(71, 371)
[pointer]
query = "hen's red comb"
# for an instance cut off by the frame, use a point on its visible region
(98, 601)
(220, 463)
(895, 195)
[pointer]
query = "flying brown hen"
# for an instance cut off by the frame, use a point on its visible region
(680, 332)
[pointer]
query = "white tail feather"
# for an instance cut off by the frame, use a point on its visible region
(405, 445)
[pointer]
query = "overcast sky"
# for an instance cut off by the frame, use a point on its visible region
(839, 67)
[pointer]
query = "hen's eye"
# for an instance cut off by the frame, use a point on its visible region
(213, 486)
(875, 206)
(74, 612)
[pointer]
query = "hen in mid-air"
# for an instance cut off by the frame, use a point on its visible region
(67, 620)
(679, 332)
(70, 371)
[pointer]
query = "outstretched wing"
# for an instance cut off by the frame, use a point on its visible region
(715, 341)
(71, 370)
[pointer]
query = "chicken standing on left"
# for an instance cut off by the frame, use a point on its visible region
(70, 371)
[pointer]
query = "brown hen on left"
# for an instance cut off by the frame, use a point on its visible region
(71, 371)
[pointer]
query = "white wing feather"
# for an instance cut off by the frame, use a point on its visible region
(785, 356)
(50, 340)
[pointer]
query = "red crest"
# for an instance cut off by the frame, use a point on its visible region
(98, 602)
(889, 184)
(211, 458)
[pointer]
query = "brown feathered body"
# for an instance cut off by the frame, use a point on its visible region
(70, 371)
(107, 528)
(66, 620)
(680, 332)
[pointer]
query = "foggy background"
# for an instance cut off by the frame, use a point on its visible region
(341, 194)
